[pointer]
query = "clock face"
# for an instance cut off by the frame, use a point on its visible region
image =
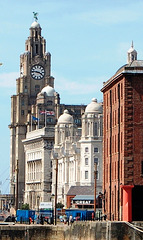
(37, 72)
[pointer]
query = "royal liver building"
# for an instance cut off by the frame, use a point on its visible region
(34, 112)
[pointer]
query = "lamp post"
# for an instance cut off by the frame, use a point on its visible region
(17, 170)
(95, 177)
(38, 198)
(56, 185)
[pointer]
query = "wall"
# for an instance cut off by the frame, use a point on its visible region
(78, 231)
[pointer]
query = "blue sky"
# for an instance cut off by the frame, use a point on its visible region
(88, 41)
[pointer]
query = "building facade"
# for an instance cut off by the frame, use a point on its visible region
(36, 105)
(123, 141)
(77, 151)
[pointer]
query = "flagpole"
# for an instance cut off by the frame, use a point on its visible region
(31, 123)
(45, 117)
(38, 119)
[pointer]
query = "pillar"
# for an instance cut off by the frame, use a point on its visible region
(127, 202)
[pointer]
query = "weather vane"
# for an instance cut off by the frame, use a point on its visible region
(35, 16)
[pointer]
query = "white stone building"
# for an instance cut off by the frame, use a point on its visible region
(77, 150)
(38, 165)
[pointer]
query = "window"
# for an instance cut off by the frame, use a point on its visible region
(95, 128)
(86, 174)
(101, 129)
(22, 102)
(49, 120)
(96, 160)
(86, 161)
(95, 149)
(22, 112)
(49, 103)
(25, 90)
(36, 35)
(36, 48)
(86, 149)
(77, 121)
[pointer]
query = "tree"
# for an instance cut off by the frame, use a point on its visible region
(25, 206)
(60, 205)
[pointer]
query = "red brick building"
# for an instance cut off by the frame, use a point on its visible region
(123, 142)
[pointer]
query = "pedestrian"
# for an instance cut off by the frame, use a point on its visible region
(92, 215)
(42, 219)
(13, 218)
(70, 219)
(30, 220)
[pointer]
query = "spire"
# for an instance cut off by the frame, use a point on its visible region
(132, 54)
(132, 46)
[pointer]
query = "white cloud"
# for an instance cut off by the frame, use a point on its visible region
(8, 80)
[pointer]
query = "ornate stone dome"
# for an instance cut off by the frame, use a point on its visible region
(65, 117)
(94, 106)
(35, 25)
(48, 90)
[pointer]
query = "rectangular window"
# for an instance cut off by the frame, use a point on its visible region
(86, 174)
(95, 130)
(49, 103)
(96, 160)
(25, 89)
(49, 120)
(86, 161)
(101, 129)
(22, 102)
(95, 149)
(36, 48)
(22, 112)
(86, 149)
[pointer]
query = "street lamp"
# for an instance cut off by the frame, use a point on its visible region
(95, 177)
(38, 198)
(56, 185)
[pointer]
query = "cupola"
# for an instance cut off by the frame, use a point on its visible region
(132, 54)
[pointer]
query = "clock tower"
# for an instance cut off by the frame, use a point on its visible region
(35, 74)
